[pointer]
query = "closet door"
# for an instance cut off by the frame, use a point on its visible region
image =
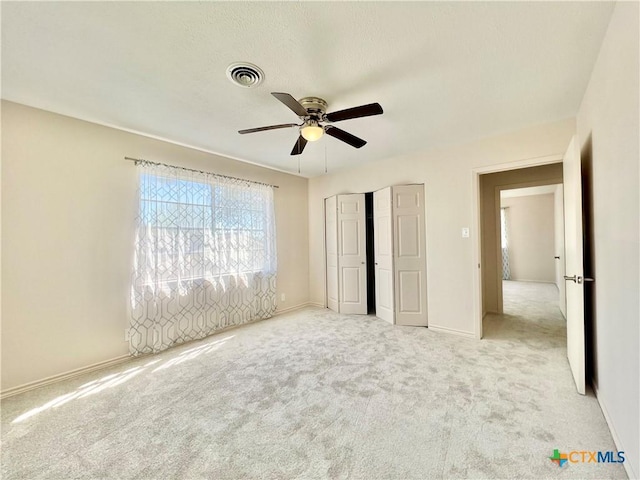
(331, 243)
(409, 255)
(383, 253)
(352, 254)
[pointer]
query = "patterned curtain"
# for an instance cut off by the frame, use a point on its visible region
(205, 256)
(506, 269)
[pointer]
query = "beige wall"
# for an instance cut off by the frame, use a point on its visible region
(608, 126)
(490, 186)
(68, 208)
(448, 179)
(531, 237)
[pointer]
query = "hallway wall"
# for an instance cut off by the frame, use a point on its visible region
(531, 237)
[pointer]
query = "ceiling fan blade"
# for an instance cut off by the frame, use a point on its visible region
(271, 127)
(292, 103)
(355, 112)
(299, 146)
(346, 137)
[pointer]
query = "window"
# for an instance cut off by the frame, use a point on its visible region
(503, 227)
(201, 229)
(205, 256)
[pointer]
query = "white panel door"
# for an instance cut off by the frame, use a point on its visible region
(574, 264)
(352, 254)
(383, 253)
(331, 243)
(409, 255)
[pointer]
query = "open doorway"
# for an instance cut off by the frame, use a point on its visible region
(490, 187)
(488, 182)
(532, 244)
(492, 278)
(521, 212)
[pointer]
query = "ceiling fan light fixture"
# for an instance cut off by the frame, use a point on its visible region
(311, 131)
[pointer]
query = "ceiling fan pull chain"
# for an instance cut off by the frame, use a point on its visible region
(325, 158)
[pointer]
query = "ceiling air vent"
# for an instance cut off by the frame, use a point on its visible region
(245, 74)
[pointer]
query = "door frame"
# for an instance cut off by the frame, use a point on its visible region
(475, 224)
(497, 199)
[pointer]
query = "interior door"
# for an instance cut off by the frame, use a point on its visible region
(352, 254)
(383, 254)
(409, 255)
(331, 242)
(559, 248)
(574, 264)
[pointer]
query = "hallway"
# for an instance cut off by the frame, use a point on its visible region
(531, 315)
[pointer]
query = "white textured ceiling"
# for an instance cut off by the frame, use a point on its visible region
(444, 72)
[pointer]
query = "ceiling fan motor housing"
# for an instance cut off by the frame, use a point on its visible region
(316, 107)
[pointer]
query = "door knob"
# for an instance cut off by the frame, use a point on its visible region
(557, 258)
(578, 279)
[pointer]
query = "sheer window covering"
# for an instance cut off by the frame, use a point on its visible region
(504, 234)
(205, 256)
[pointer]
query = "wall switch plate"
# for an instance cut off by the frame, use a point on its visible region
(465, 232)
(282, 297)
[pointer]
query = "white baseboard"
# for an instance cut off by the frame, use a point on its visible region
(530, 281)
(115, 361)
(63, 376)
(452, 331)
(296, 307)
(627, 465)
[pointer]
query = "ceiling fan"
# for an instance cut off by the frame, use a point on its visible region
(312, 112)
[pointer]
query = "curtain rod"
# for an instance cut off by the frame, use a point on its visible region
(141, 160)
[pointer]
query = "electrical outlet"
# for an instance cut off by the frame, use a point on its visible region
(282, 297)
(465, 232)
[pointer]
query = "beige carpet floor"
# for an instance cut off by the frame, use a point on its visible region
(314, 394)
